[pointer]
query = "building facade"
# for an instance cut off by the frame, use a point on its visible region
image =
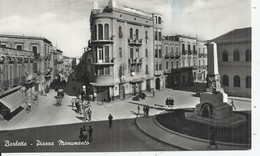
(122, 43)
(185, 60)
(234, 60)
(16, 72)
(41, 48)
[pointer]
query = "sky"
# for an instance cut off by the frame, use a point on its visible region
(66, 22)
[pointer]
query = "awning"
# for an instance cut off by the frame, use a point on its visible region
(102, 84)
(13, 100)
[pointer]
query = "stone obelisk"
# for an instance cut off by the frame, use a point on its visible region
(213, 108)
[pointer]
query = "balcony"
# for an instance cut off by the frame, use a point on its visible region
(104, 63)
(135, 42)
(195, 67)
(176, 56)
(167, 56)
(167, 71)
(184, 52)
(23, 79)
(135, 61)
(60, 61)
(105, 40)
(190, 52)
(4, 84)
(195, 52)
(202, 55)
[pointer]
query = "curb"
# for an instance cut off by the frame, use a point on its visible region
(181, 148)
(246, 146)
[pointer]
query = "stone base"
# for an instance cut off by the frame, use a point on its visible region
(233, 121)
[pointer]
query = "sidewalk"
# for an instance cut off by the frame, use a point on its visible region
(149, 126)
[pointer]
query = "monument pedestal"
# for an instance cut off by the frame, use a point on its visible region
(213, 108)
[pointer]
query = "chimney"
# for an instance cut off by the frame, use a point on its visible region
(112, 3)
(96, 5)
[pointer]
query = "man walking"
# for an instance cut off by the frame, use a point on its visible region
(138, 110)
(110, 118)
(90, 132)
(89, 114)
(212, 140)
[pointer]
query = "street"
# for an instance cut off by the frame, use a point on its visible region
(123, 136)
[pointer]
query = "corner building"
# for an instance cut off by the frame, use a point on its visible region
(122, 44)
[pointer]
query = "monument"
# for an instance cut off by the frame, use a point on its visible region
(213, 108)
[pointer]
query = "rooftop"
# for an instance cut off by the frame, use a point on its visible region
(25, 37)
(235, 34)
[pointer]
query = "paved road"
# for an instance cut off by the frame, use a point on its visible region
(123, 136)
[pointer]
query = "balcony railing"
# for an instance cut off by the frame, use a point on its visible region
(203, 55)
(184, 52)
(190, 52)
(135, 60)
(104, 40)
(104, 62)
(135, 42)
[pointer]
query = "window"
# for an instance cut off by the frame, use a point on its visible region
(160, 34)
(189, 62)
(248, 82)
(172, 51)
(177, 50)
(156, 51)
(106, 32)
(236, 81)
(194, 48)
(189, 48)
(100, 32)
(160, 51)
(136, 33)
(19, 47)
(236, 55)
(106, 54)
(131, 53)
(248, 55)
(3, 44)
(146, 35)
(146, 52)
(225, 56)
(166, 49)
(166, 65)
(146, 70)
(183, 48)
(34, 49)
(107, 70)
(131, 33)
(159, 20)
(100, 54)
(136, 53)
(120, 33)
(155, 19)
(155, 33)
(156, 66)
(94, 32)
(120, 51)
(120, 71)
(225, 81)
(203, 62)
(160, 66)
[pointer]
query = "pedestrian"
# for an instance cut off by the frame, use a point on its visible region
(89, 114)
(212, 140)
(166, 102)
(110, 118)
(138, 110)
(29, 106)
(90, 132)
(147, 109)
(85, 135)
(144, 109)
(81, 134)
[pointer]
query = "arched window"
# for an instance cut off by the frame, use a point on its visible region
(248, 55)
(236, 55)
(225, 80)
(159, 20)
(155, 18)
(225, 56)
(106, 32)
(131, 33)
(248, 82)
(100, 32)
(236, 81)
(146, 35)
(94, 32)
(136, 33)
(120, 33)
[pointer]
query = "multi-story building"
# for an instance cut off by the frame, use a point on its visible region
(16, 72)
(41, 48)
(158, 52)
(122, 43)
(234, 60)
(185, 60)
